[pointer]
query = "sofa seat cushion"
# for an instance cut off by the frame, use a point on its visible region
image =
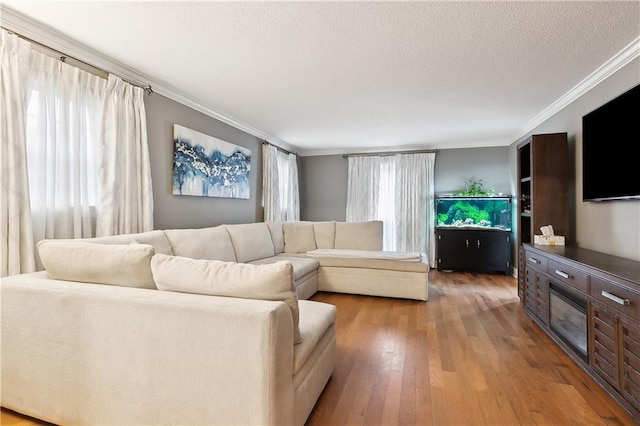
(376, 260)
(315, 319)
(367, 254)
(302, 265)
(127, 265)
(215, 278)
(205, 243)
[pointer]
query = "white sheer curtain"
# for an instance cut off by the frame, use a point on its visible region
(387, 211)
(414, 203)
(289, 190)
(363, 183)
(398, 190)
(270, 183)
(64, 111)
(125, 196)
(16, 238)
(281, 193)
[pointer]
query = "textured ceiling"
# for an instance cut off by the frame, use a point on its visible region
(358, 75)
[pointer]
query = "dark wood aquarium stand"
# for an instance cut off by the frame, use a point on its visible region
(589, 304)
(481, 250)
(473, 232)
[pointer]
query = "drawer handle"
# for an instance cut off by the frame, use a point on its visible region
(618, 300)
(467, 243)
(563, 274)
(533, 260)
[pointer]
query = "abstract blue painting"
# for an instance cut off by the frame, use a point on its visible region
(209, 167)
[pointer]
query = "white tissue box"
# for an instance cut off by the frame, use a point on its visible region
(548, 240)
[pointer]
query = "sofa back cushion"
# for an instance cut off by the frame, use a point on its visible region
(325, 234)
(126, 265)
(277, 235)
(251, 241)
(156, 238)
(298, 237)
(215, 278)
(359, 235)
(205, 243)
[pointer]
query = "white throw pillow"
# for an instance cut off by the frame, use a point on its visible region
(298, 237)
(216, 278)
(126, 265)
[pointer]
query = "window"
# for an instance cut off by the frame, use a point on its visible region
(280, 190)
(397, 189)
(63, 117)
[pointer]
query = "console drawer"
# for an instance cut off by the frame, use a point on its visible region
(619, 298)
(536, 261)
(569, 275)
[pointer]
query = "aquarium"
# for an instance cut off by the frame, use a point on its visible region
(480, 212)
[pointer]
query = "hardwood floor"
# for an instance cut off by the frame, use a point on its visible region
(468, 356)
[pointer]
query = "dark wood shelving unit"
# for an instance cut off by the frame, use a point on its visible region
(542, 200)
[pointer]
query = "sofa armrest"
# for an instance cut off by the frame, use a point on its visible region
(87, 353)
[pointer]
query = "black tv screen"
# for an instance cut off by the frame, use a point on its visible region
(610, 139)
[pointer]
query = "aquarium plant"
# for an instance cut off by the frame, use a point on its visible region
(463, 211)
(474, 186)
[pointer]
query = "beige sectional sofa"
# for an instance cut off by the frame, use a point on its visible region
(349, 260)
(91, 341)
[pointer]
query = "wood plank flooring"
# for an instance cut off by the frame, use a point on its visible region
(468, 356)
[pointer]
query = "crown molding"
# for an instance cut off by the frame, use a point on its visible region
(618, 61)
(489, 143)
(47, 36)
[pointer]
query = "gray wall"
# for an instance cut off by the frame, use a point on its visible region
(324, 178)
(323, 188)
(611, 227)
(181, 211)
(455, 166)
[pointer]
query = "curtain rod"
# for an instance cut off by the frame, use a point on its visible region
(63, 57)
(389, 153)
(279, 148)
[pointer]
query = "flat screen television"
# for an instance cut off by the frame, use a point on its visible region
(610, 138)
